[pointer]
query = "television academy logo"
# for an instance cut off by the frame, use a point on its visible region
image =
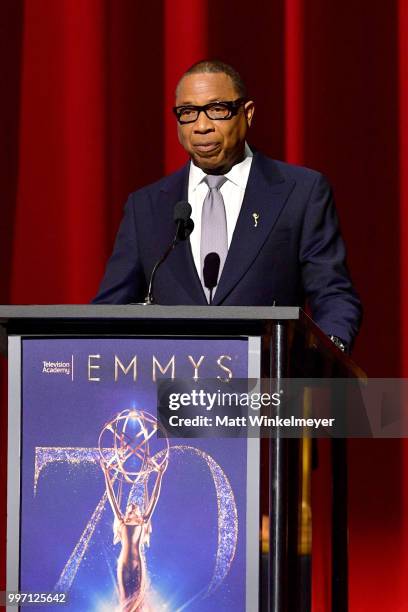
(59, 367)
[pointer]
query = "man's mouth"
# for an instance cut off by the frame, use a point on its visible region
(206, 147)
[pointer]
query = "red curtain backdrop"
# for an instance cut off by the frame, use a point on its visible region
(85, 118)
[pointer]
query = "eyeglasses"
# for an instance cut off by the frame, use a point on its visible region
(216, 111)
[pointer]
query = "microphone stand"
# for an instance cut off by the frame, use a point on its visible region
(149, 300)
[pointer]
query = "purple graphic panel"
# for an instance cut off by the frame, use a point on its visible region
(112, 515)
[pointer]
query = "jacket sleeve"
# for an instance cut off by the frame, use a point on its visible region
(124, 280)
(335, 305)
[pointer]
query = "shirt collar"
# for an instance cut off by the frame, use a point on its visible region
(237, 175)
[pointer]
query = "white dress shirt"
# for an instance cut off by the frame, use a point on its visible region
(232, 191)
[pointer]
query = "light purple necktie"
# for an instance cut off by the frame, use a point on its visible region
(214, 237)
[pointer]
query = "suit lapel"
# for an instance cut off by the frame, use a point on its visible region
(265, 196)
(180, 262)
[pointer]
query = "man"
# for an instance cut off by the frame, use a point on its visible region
(273, 225)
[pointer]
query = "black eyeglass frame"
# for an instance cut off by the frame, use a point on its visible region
(233, 107)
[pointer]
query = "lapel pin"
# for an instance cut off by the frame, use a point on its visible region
(256, 219)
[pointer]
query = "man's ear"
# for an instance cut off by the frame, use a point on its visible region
(249, 109)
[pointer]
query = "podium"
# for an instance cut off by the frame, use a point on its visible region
(44, 345)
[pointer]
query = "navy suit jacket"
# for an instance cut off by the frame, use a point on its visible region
(294, 254)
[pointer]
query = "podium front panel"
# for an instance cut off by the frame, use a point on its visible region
(106, 513)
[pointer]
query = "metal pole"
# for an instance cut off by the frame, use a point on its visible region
(278, 596)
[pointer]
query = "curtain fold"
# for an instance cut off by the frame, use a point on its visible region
(60, 206)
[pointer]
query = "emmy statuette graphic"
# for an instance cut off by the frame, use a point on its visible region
(133, 460)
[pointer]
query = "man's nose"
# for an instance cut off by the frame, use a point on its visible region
(203, 124)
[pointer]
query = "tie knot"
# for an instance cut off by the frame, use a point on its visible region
(215, 181)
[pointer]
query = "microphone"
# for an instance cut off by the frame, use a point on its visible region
(185, 225)
(182, 216)
(211, 270)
